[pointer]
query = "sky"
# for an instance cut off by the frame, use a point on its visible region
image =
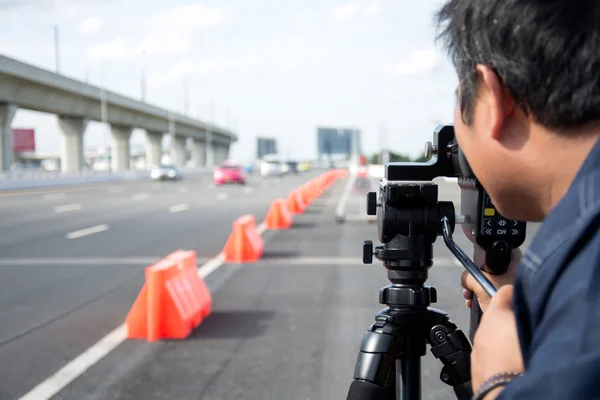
(268, 68)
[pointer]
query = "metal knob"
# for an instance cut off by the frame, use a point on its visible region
(430, 150)
(367, 252)
(372, 203)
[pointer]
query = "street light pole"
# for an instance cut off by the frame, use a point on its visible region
(209, 136)
(56, 49)
(143, 85)
(186, 99)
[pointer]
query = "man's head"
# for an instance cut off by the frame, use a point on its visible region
(529, 84)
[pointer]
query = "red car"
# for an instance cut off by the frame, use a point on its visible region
(229, 173)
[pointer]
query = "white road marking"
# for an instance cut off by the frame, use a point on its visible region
(76, 367)
(261, 228)
(210, 186)
(264, 185)
(183, 190)
(248, 190)
(67, 208)
(117, 189)
(222, 196)
(54, 196)
(139, 196)
(211, 266)
(178, 208)
(87, 231)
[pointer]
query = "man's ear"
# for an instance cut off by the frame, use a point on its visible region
(498, 101)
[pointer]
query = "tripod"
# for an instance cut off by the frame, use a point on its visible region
(389, 362)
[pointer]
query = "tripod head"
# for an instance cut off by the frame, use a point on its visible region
(410, 215)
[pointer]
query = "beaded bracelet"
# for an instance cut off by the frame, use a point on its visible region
(493, 382)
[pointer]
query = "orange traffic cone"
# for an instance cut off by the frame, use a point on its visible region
(244, 243)
(296, 203)
(278, 216)
(172, 302)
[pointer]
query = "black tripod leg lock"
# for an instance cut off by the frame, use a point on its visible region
(450, 345)
(377, 357)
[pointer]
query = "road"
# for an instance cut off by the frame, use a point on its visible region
(59, 295)
(286, 327)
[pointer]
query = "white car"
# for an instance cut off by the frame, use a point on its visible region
(272, 168)
(165, 172)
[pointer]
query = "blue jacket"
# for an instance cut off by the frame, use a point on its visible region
(557, 297)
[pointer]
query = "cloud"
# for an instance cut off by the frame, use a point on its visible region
(230, 67)
(356, 9)
(189, 17)
(171, 32)
(418, 62)
(302, 18)
(90, 26)
(167, 44)
(116, 49)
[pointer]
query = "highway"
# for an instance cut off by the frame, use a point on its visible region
(286, 327)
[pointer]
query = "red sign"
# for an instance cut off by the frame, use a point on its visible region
(23, 140)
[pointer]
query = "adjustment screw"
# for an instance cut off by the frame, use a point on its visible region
(445, 377)
(440, 336)
(430, 150)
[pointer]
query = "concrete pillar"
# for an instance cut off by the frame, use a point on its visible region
(7, 113)
(120, 159)
(198, 149)
(71, 143)
(210, 155)
(153, 148)
(178, 150)
(219, 154)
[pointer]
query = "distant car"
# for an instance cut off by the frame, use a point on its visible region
(229, 173)
(166, 172)
(273, 168)
(303, 167)
(293, 167)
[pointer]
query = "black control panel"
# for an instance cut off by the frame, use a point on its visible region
(497, 235)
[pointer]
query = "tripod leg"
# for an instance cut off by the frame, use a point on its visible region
(450, 345)
(375, 371)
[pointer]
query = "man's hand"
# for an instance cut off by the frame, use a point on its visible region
(471, 286)
(496, 344)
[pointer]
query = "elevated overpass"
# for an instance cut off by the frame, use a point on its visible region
(76, 103)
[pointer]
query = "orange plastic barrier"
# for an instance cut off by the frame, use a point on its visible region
(244, 243)
(173, 301)
(296, 204)
(278, 216)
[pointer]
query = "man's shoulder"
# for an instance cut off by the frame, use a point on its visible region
(567, 223)
(562, 259)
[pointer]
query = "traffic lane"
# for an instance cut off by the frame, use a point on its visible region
(42, 351)
(33, 295)
(26, 209)
(131, 222)
(41, 208)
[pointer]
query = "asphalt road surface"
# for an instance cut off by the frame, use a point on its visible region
(287, 327)
(73, 258)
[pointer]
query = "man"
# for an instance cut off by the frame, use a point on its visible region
(528, 120)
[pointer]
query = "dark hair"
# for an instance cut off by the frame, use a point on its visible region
(546, 52)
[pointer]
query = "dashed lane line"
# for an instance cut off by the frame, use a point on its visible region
(87, 231)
